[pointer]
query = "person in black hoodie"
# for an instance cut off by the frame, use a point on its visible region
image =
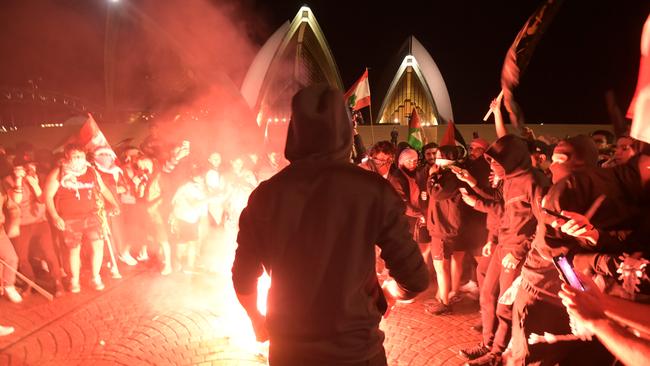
(445, 218)
(577, 185)
(523, 187)
(313, 226)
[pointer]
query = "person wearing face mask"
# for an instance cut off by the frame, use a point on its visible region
(71, 198)
(148, 195)
(577, 184)
(381, 158)
(113, 177)
(27, 193)
(445, 214)
(523, 188)
(152, 185)
(571, 155)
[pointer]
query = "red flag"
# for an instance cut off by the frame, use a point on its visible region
(90, 137)
(639, 110)
(359, 94)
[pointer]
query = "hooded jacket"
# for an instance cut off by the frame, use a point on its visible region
(446, 210)
(523, 188)
(621, 211)
(314, 227)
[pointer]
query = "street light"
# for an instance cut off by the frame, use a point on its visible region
(110, 42)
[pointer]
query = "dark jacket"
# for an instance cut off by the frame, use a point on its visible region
(621, 212)
(314, 227)
(408, 189)
(492, 205)
(523, 188)
(475, 229)
(446, 207)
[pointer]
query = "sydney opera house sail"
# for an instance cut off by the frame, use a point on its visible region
(296, 55)
(416, 82)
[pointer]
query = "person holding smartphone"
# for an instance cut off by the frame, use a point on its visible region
(612, 320)
(537, 308)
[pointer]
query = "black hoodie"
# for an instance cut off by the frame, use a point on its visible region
(523, 187)
(314, 227)
(620, 211)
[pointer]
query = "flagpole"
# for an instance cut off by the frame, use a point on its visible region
(487, 115)
(372, 130)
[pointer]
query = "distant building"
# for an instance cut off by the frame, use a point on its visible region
(416, 83)
(296, 55)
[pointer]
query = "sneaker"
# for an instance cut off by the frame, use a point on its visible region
(13, 295)
(143, 256)
(127, 259)
(489, 359)
(75, 287)
(470, 287)
(6, 330)
(167, 270)
(97, 283)
(475, 352)
(437, 308)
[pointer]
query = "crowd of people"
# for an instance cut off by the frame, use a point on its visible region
(94, 210)
(512, 208)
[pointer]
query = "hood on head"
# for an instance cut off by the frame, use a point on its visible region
(511, 152)
(320, 126)
(585, 152)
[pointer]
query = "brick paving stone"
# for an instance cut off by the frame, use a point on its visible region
(145, 319)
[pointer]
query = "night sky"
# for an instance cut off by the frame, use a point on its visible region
(591, 47)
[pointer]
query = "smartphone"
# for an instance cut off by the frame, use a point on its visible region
(567, 273)
(555, 214)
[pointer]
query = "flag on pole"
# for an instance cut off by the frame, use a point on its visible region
(359, 94)
(639, 110)
(90, 137)
(452, 136)
(416, 135)
(520, 53)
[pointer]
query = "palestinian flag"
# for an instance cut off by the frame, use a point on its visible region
(415, 139)
(452, 136)
(359, 94)
(520, 53)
